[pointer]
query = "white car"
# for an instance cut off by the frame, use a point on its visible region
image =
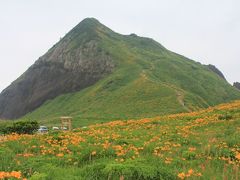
(55, 128)
(43, 129)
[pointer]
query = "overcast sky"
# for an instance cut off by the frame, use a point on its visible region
(207, 31)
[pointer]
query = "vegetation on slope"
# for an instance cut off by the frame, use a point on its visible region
(197, 145)
(148, 81)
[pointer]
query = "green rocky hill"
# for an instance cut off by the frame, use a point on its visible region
(95, 74)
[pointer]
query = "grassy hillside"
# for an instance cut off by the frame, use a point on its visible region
(148, 80)
(197, 145)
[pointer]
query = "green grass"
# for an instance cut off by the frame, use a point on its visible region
(198, 145)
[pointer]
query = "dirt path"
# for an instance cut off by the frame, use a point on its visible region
(179, 93)
(180, 98)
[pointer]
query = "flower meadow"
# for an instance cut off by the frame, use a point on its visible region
(196, 145)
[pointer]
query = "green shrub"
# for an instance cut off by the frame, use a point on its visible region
(21, 127)
(225, 117)
(139, 169)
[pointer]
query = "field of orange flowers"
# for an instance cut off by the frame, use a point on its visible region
(198, 145)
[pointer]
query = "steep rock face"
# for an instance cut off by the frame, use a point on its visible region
(216, 70)
(67, 67)
(236, 85)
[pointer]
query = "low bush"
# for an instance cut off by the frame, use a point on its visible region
(20, 127)
(225, 117)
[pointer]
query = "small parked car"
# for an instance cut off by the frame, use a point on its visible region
(43, 129)
(55, 128)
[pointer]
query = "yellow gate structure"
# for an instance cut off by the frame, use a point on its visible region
(66, 122)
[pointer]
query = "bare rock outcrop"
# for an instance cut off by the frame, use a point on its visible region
(74, 63)
(236, 85)
(216, 70)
